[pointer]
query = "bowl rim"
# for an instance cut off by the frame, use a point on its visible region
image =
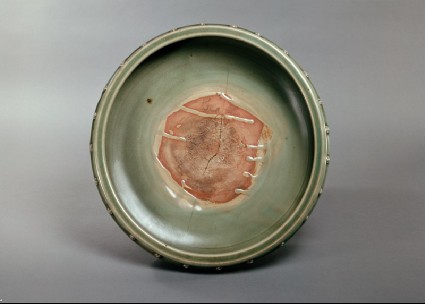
(317, 176)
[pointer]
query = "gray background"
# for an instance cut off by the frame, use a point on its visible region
(366, 239)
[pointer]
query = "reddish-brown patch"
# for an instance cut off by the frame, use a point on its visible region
(211, 156)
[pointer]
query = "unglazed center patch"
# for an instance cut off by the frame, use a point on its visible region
(212, 148)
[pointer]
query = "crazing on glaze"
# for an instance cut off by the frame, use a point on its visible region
(213, 149)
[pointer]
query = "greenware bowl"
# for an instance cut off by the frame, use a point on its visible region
(160, 214)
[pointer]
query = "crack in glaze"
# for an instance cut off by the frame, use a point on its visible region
(219, 146)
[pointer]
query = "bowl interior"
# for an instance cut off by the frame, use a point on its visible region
(177, 74)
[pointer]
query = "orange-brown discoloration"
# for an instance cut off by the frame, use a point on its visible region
(208, 151)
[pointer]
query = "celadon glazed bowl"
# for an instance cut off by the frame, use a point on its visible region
(210, 146)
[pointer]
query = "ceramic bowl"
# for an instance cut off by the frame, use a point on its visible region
(210, 146)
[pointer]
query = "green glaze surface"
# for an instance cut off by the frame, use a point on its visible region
(171, 70)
